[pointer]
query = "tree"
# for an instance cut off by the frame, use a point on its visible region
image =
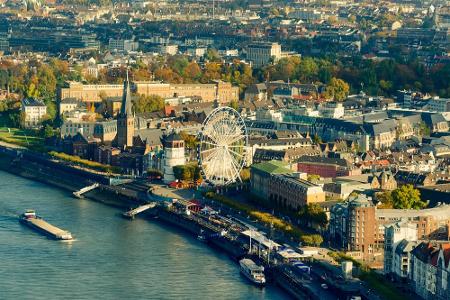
(189, 172)
(407, 197)
(312, 240)
(31, 91)
(307, 70)
(313, 214)
(337, 89)
(385, 199)
(234, 105)
(192, 72)
(245, 174)
(154, 173)
(149, 103)
(317, 139)
(48, 131)
(212, 55)
(190, 140)
(313, 177)
(424, 130)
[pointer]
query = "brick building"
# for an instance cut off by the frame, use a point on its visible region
(326, 167)
(358, 226)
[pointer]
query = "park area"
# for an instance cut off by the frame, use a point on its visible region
(22, 137)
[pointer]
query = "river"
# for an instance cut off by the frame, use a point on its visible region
(111, 258)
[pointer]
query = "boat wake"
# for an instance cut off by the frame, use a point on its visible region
(69, 241)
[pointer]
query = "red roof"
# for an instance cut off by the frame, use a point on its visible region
(445, 248)
(168, 110)
(173, 184)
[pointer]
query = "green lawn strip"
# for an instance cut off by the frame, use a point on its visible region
(376, 281)
(85, 163)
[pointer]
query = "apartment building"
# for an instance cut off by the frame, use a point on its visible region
(358, 226)
(263, 53)
(439, 105)
(290, 191)
(34, 111)
(430, 270)
(120, 45)
(398, 239)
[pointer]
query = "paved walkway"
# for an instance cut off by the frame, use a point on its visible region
(164, 191)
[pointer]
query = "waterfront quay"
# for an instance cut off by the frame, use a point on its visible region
(232, 236)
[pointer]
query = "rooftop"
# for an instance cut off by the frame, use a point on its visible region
(32, 102)
(272, 167)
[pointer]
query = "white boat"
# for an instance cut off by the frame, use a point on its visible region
(252, 271)
(201, 237)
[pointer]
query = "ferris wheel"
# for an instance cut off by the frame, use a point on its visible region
(223, 141)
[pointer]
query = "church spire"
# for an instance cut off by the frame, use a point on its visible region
(126, 109)
(125, 119)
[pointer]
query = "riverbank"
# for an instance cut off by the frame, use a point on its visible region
(130, 195)
(110, 258)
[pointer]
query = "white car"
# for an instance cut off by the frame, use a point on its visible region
(324, 286)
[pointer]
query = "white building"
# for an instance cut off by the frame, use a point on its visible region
(34, 111)
(196, 51)
(173, 155)
(122, 45)
(334, 110)
(168, 49)
(394, 234)
(439, 105)
(430, 270)
(262, 53)
(68, 105)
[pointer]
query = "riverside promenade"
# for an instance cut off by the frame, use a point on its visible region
(223, 233)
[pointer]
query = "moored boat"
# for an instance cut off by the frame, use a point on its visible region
(201, 236)
(252, 271)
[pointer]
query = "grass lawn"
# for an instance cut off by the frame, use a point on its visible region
(383, 287)
(21, 137)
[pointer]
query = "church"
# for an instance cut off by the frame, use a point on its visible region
(132, 149)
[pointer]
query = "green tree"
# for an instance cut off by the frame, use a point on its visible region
(190, 140)
(312, 239)
(234, 105)
(31, 91)
(188, 172)
(407, 197)
(313, 214)
(48, 131)
(149, 103)
(307, 70)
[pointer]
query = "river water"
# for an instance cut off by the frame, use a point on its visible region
(111, 258)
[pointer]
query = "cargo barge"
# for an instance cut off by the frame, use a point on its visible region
(30, 219)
